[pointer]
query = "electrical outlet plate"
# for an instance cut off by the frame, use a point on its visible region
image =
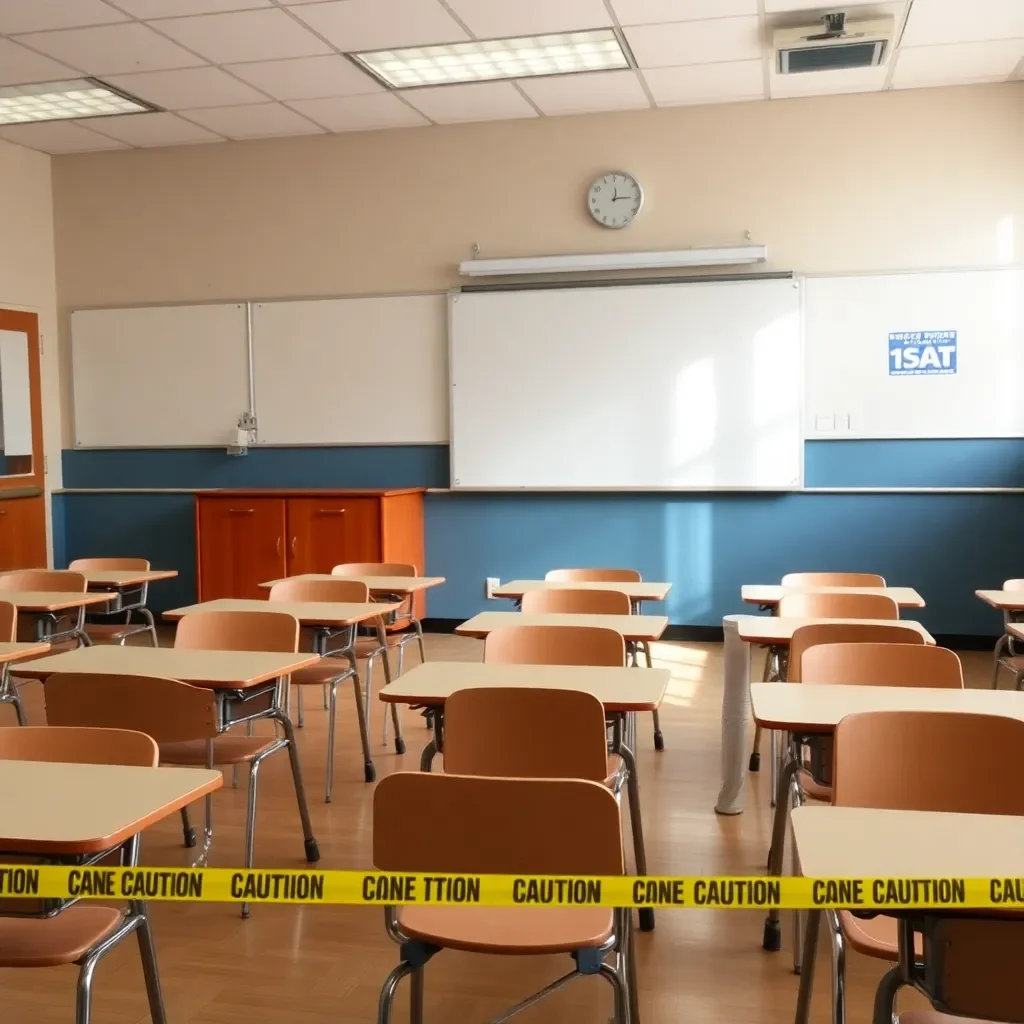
(491, 583)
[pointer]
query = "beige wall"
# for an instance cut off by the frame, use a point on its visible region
(27, 278)
(894, 180)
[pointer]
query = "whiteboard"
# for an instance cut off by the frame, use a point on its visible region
(160, 376)
(692, 386)
(851, 392)
(351, 371)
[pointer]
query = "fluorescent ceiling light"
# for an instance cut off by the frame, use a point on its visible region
(721, 256)
(62, 101)
(485, 60)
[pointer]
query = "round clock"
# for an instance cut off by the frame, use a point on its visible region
(615, 199)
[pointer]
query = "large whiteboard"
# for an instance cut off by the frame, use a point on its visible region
(848, 323)
(159, 376)
(351, 371)
(681, 386)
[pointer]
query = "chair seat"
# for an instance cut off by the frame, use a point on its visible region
(50, 942)
(227, 749)
(325, 671)
(874, 936)
(813, 790)
(515, 930)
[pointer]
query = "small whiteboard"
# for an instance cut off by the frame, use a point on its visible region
(922, 355)
(676, 386)
(159, 376)
(351, 371)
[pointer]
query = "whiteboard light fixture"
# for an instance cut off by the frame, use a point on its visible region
(65, 101)
(721, 256)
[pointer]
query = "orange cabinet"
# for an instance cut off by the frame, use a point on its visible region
(22, 533)
(247, 537)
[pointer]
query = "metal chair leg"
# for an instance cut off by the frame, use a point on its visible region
(838, 967)
(997, 653)
(188, 833)
(147, 952)
(326, 697)
(621, 1013)
(250, 821)
(298, 702)
(885, 996)
(309, 840)
(148, 616)
(416, 996)
(387, 992)
(369, 772)
(803, 999)
(83, 993)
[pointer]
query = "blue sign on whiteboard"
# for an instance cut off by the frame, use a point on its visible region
(920, 353)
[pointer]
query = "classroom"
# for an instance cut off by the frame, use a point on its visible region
(581, 439)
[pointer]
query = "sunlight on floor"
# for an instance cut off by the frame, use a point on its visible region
(686, 665)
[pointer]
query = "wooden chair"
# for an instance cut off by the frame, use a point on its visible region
(424, 822)
(84, 933)
(832, 579)
(61, 629)
(98, 624)
(555, 645)
(1009, 651)
(8, 634)
(932, 761)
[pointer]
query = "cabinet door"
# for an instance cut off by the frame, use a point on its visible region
(241, 545)
(23, 533)
(323, 532)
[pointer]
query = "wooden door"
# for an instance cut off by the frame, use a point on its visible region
(23, 533)
(241, 545)
(324, 532)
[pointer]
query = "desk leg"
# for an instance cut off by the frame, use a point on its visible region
(312, 850)
(382, 639)
(635, 821)
(772, 940)
(803, 999)
(436, 745)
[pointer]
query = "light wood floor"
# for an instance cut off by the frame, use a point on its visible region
(289, 965)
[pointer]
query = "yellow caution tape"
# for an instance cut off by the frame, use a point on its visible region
(376, 888)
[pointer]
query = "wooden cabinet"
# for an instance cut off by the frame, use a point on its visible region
(22, 532)
(247, 537)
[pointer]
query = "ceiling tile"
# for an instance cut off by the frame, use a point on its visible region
(57, 137)
(243, 36)
(941, 21)
(653, 12)
(360, 113)
(113, 49)
(153, 130)
(495, 19)
(953, 63)
(307, 78)
(580, 94)
(475, 101)
(730, 82)
(19, 66)
(145, 9)
(256, 121)
(785, 6)
(353, 25)
(695, 42)
(40, 15)
(824, 83)
(187, 88)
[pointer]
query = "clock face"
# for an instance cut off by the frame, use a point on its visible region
(615, 199)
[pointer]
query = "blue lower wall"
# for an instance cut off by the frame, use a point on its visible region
(945, 545)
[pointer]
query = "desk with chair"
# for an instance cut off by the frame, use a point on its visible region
(633, 628)
(769, 596)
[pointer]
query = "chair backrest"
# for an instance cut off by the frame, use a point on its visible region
(509, 732)
(929, 761)
(58, 580)
(462, 824)
(100, 564)
(8, 622)
(555, 645)
(165, 709)
(593, 576)
(374, 569)
(584, 602)
(1013, 584)
(238, 631)
(816, 633)
(340, 591)
(812, 604)
(883, 665)
(832, 579)
(78, 745)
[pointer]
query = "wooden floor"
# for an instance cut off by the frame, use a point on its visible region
(290, 965)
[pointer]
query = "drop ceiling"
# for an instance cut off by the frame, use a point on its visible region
(242, 69)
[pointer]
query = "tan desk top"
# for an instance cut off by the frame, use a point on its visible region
(814, 707)
(309, 613)
(217, 670)
(20, 651)
(632, 627)
(618, 689)
(905, 597)
(377, 584)
(771, 629)
(1004, 600)
(648, 590)
(125, 577)
(849, 842)
(51, 600)
(84, 808)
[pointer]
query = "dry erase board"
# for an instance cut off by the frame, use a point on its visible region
(915, 355)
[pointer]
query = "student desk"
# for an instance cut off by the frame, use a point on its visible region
(864, 842)
(637, 592)
(378, 585)
(633, 628)
(1005, 600)
(246, 684)
(116, 579)
(622, 691)
(740, 632)
(9, 653)
(769, 596)
(43, 604)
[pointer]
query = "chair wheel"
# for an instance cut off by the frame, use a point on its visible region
(755, 762)
(399, 745)
(659, 741)
(312, 851)
(646, 919)
(369, 773)
(772, 940)
(190, 838)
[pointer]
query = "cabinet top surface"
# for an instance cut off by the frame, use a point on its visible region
(311, 492)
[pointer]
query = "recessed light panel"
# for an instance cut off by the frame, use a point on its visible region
(485, 60)
(63, 101)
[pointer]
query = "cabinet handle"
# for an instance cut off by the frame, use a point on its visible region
(278, 546)
(241, 511)
(330, 511)
(294, 540)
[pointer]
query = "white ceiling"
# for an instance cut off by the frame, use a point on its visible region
(242, 69)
